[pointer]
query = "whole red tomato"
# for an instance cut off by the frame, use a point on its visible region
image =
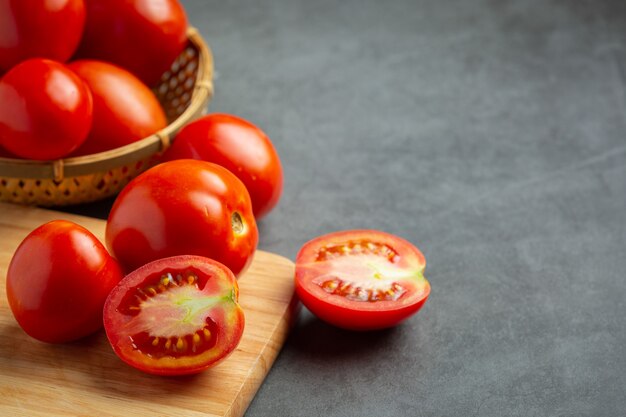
(175, 316)
(361, 279)
(124, 109)
(58, 281)
(39, 28)
(46, 110)
(183, 207)
(238, 146)
(143, 36)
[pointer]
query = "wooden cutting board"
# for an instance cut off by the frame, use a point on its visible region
(85, 378)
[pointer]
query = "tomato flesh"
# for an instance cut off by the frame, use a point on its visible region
(175, 316)
(361, 280)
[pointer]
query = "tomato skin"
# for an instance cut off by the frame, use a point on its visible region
(226, 316)
(58, 281)
(39, 28)
(46, 111)
(124, 109)
(349, 257)
(183, 207)
(238, 146)
(6, 154)
(143, 36)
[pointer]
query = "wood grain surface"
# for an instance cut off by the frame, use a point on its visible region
(85, 378)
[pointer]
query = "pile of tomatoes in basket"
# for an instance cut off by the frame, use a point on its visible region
(179, 235)
(76, 74)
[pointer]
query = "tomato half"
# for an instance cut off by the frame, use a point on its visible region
(175, 316)
(238, 146)
(58, 281)
(46, 111)
(39, 29)
(143, 36)
(361, 279)
(124, 109)
(183, 207)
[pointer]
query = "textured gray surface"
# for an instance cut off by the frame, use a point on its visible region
(492, 134)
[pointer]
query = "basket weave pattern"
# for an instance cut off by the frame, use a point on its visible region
(184, 93)
(72, 190)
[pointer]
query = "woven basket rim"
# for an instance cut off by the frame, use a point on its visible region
(157, 142)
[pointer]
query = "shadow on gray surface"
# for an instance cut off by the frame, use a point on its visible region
(315, 337)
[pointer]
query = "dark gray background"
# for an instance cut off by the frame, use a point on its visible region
(489, 133)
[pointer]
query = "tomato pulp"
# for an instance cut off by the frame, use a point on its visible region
(58, 281)
(361, 279)
(175, 316)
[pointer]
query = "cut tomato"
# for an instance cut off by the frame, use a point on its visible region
(175, 316)
(361, 279)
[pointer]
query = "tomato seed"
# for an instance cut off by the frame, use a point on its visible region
(354, 292)
(175, 346)
(359, 247)
(180, 344)
(154, 287)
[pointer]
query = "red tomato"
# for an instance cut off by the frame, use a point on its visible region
(58, 281)
(238, 146)
(183, 207)
(361, 279)
(124, 109)
(46, 111)
(143, 36)
(6, 154)
(39, 29)
(175, 316)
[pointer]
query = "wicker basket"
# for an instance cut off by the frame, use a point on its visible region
(184, 92)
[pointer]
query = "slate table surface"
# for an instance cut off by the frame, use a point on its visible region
(492, 134)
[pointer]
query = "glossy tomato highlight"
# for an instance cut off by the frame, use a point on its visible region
(238, 146)
(361, 279)
(124, 109)
(58, 281)
(183, 207)
(39, 29)
(175, 316)
(46, 110)
(143, 36)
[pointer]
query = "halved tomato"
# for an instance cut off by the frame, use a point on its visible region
(175, 316)
(361, 279)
